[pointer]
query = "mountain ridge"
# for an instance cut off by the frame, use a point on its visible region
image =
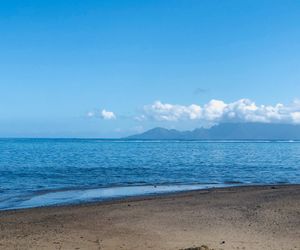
(226, 131)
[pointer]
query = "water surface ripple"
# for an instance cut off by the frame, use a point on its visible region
(32, 169)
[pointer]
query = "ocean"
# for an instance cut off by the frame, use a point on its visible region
(43, 172)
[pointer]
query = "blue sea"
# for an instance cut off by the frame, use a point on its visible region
(43, 172)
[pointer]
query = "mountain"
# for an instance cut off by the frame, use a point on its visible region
(226, 131)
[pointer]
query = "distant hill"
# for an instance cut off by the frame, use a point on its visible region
(226, 131)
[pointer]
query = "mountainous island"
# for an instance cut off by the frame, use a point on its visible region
(226, 131)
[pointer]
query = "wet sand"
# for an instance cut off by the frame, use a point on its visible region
(259, 217)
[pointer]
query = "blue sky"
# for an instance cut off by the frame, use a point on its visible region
(144, 63)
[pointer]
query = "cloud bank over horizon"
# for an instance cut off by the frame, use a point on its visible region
(217, 111)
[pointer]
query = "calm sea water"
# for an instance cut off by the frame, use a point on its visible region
(38, 172)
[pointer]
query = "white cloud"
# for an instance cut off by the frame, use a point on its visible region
(213, 110)
(104, 114)
(217, 111)
(107, 115)
(296, 117)
(168, 112)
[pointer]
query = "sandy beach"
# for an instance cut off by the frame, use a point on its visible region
(261, 217)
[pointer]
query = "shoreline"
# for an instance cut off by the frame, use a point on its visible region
(244, 217)
(157, 191)
(66, 197)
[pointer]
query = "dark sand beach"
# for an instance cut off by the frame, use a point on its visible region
(257, 217)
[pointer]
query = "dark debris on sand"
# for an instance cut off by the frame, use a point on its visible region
(203, 247)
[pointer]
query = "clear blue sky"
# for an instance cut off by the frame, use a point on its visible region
(60, 59)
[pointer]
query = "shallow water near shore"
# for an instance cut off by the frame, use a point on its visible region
(41, 172)
(100, 194)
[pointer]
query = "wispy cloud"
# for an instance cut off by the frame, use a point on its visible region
(217, 111)
(90, 114)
